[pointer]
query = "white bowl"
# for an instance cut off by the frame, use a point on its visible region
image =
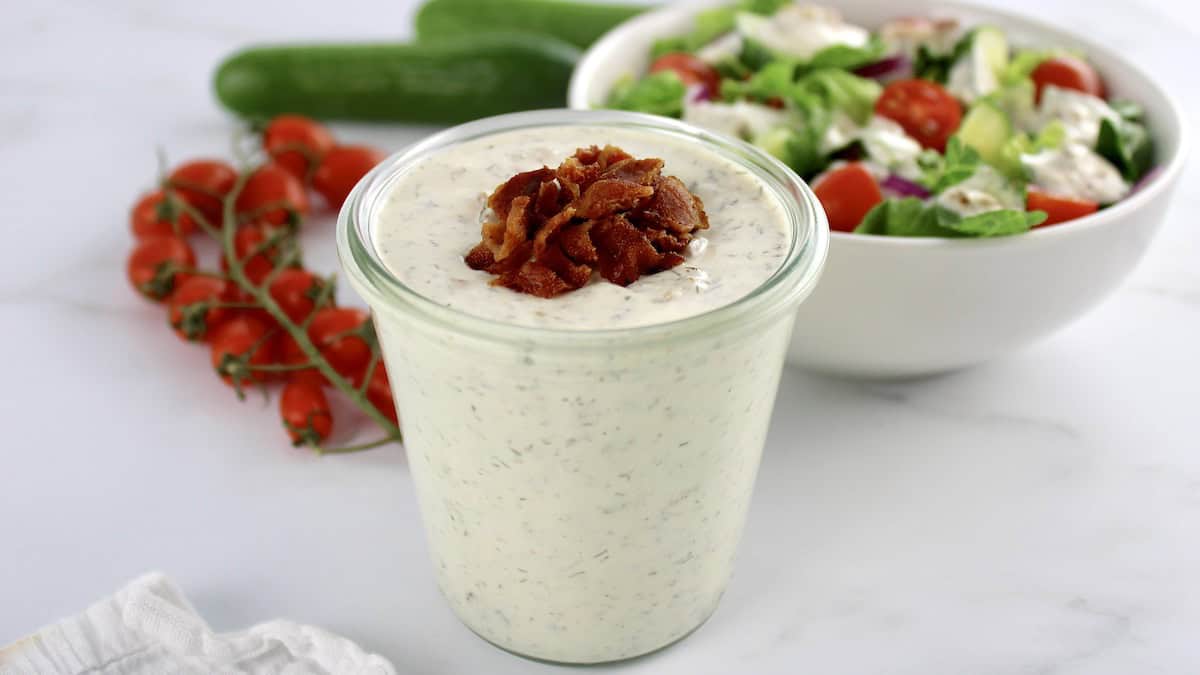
(899, 307)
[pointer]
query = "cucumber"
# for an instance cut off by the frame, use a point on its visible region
(578, 23)
(990, 48)
(987, 129)
(437, 82)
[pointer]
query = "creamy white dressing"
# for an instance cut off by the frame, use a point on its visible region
(841, 132)
(986, 190)
(887, 144)
(800, 31)
(742, 119)
(583, 503)
(431, 218)
(1076, 171)
(1080, 113)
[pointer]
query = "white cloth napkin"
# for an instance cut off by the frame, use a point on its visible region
(148, 627)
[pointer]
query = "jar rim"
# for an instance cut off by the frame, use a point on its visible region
(786, 286)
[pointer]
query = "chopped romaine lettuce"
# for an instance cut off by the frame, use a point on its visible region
(713, 23)
(660, 93)
(1009, 163)
(911, 217)
(847, 57)
(799, 145)
(935, 66)
(944, 171)
(830, 88)
(1125, 142)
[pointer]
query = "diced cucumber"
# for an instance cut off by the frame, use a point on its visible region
(991, 48)
(986, 129)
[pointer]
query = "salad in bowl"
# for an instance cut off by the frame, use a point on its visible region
(922, 127)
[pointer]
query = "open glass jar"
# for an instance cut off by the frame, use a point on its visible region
(583, 491)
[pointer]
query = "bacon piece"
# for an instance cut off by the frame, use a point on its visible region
(610, 196)
(637, 171)
(625, 253)
(550, 228)
(673, 208)
(600, 211)
(577, 243)
(523, 184)
(534, 278)
(516, 227)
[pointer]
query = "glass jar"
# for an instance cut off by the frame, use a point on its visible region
(584, 491)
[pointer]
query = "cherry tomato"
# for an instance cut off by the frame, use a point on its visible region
(341, 169)
(690, 69)
(296, 291)
(1067, 72)
(259, 265)
(290, 354)
(157, 215)
(847, 193)
(379, 392)
(925, 109)
(234, 340)
(348, 354)
(296, 143)
(1058, 209)
(306, 413)
(273, 195)
(204, 183)
(186, 308)
(159, 264)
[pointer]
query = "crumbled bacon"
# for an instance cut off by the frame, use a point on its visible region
(600, 211)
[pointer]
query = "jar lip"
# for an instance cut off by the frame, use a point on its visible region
(789, 284)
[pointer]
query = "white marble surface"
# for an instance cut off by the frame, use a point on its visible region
(1039, 515)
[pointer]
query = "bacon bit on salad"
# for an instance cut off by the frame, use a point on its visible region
(600, 210)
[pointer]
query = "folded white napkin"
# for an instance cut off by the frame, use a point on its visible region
(148, 627)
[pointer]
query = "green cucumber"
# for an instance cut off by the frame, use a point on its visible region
(986, 129)
(436, 82)
(578, 23)
(991, 49)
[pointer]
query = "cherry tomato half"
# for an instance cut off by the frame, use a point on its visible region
(296, 143)
(330, 332)
(204, 183)
(690, 69)
(273, 195)
(847, 193)
(189, 310)
(159, 264)
(341, 169)
(1058, 209)
(157, 215)
(306, 413)
(1067, 72)
(925, 110)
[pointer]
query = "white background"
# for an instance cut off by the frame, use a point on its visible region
(1037, 515)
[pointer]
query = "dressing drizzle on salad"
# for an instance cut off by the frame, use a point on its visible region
(923, 127)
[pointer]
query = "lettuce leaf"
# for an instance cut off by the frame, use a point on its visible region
(829, 88)
(847, 57)
(911, 217)
(713, 23)
(660, 93)
(799, 145)
(931, 65)
(1125, 141)
(944, 171)
(1052, 136)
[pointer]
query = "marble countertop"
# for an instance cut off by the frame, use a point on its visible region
(1038, 515)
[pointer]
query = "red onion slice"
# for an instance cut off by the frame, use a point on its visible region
(903, 187)
(887, 69)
